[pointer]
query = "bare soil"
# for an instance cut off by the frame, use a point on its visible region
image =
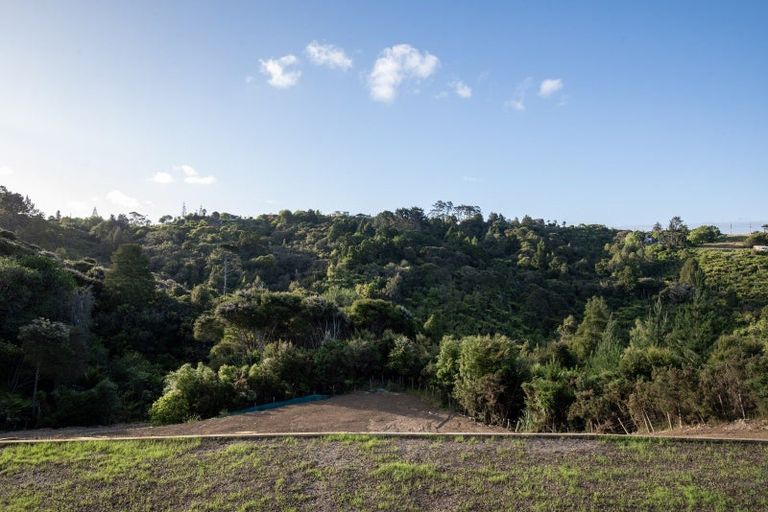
(742, 429)
(355, 412)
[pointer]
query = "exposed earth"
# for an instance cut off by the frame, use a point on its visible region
(742, 429)
(359, 412)
(380, 411)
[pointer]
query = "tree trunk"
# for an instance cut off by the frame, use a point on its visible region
(35, 408)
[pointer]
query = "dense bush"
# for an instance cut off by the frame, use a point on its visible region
(619, 330)
(490, 377)
(704, 234)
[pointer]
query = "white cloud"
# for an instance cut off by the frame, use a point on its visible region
(518, 101)
(163, 178)
(461, 89)
(5, 170)
(279, 75)
(396, 64)
(328, 55)
(118, 198)
(549, 87)
(192, 177)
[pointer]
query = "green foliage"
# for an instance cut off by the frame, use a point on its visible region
(197, 390)
(704, 234)
(491, 373)
(284, 371)
(94, 406)
(259, 316)
(676, 234)
(377, 316)
(172, 407)
(590, 330)
(639, 363)
(407, 358)
(130, 280)
(632, 258)
(734, 382)
(331, 365)
(756, 238)
(32, 287)
(447, 365)
(282, 305)
(741, 274)
(47, 346)
(15, 410)
(548, 397)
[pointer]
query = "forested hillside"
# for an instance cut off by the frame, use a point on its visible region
(524, 322)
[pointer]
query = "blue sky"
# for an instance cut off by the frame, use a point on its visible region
(620, 113)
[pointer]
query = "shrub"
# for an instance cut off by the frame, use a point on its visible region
(756, 238)
(491, 372)
(172, 407)
(330, 364)
(205, 395)
(15, 411)
(704, 234)
(639, 363)
(285, 371)
(377, 316)
(447, 365)
(94, 406)
(548, 397)
(407, 358)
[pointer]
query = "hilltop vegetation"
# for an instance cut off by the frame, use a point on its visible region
(520, 322)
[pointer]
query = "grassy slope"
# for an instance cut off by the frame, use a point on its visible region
(368, 473)
(743, 271)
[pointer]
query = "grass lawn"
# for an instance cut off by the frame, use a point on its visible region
(369, 473)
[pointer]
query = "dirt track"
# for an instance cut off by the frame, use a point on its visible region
(382, 412)
(355, 412)
(743, 429)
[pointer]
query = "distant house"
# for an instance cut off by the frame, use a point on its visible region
(760, 248)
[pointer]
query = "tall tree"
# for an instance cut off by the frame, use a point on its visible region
(47, 347)
(130, 280)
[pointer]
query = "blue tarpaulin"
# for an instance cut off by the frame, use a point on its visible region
(275, 405)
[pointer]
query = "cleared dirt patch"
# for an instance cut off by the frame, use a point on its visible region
(355, 412)
(742, 429)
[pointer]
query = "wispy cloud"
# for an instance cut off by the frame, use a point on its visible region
(192, 177)
(397, 64)
(279, 75)
(461, 89)
(327, 55)
(188, 175)
(119, 199)
(550, 86)
(517, 102)
(163, 178)
(5, 170)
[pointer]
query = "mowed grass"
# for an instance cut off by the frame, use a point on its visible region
(350, 472)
